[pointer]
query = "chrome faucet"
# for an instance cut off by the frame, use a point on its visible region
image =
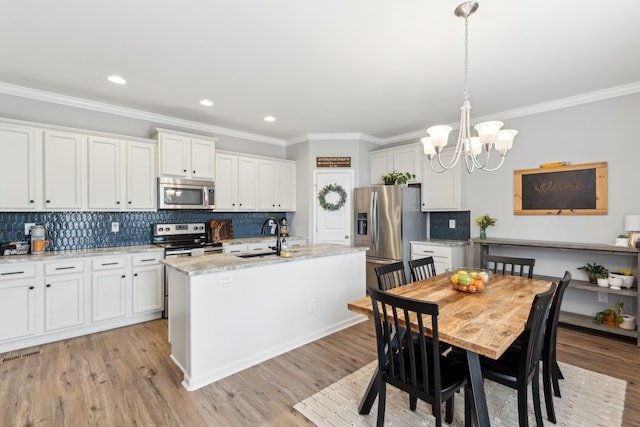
(275, 222)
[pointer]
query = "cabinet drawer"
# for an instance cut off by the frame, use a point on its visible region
(66, 267)
(108, 263)
(17, 271)
(234, 248)
(431, 250)
(146, 259)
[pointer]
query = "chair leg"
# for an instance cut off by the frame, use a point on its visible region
(535, 385)
(468, 407)
(413, 403)
(449, 409)
(523, 412)
(546, 385)
(555, 375)
(382, 397)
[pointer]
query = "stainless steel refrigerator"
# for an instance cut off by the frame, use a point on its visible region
(387, 218)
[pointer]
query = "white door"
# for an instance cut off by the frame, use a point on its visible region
(333, 226)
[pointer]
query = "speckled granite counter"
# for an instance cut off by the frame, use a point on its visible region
(55, 255)
(261, 239)
(225, 262)
(437, 242)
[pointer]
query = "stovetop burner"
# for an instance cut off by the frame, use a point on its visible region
(175, 237)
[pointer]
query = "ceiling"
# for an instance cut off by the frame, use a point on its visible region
(379, 67)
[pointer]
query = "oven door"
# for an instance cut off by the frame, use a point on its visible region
(185, 194)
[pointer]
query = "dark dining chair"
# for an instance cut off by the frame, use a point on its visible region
(415, 365)
(512, 266)
(422, 268)
(517, 367)
(391, 275)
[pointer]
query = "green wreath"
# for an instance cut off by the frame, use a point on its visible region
(332, 188)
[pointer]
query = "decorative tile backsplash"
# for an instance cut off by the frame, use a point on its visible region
(439, 225)
(87, 230)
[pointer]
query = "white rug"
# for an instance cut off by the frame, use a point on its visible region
(588, 399)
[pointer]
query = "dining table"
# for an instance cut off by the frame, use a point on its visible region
(482, 324)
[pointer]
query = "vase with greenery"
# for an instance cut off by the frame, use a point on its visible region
(595, 271)
(483, 222)
(611, 316)
(394, 177)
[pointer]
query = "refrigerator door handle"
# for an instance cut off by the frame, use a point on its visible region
(374, 220)
(381, 261)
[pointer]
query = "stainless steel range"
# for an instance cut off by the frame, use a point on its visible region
(179, 240)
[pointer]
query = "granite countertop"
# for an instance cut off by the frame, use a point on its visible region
(258, 239)
(438, 242)
(55, 255)
(224, 262)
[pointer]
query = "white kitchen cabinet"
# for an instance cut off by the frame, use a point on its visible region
(64, 296)
(277, 185)
(236, 183)
(108, 288)
(147, 283)
(64, 170)
(185, 155)
(17, 301)
(444, 191)
(234, 248)
(19, 176)
(121, 175)
(405, 158)
(443, 256)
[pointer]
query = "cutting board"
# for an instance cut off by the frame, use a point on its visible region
(220, 229)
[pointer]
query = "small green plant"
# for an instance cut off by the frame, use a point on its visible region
(485, 221)
(397, 177)
(612, 316)
(622, 236)
(595, 271)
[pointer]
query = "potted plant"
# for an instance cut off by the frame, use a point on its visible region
(397, 178)
(612, 316)
(622, 240)
(595, 271)
(483, 222)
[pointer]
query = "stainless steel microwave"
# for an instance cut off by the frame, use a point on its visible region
(175, 193)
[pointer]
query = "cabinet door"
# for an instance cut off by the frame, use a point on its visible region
(174, 155)
(226, 182)
(409, 159)
(64, 301)
(247, 184)
(266, 185)
(441, 191)
(202, 159)
(140, 176)
(63, 170)
(108, 297)
(286, 186)
(104, 173)
(148, 292)
(380, 164)
(18, 176)
(17, 305)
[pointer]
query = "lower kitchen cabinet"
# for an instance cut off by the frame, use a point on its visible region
(443, 256)
(64, 295)
(17, 303)
(147, 284)
(108, 288)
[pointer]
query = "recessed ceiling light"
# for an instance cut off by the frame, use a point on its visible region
(269, 119)
(206, 103)
(117, 80)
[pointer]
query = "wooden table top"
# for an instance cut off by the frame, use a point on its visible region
(486, 323)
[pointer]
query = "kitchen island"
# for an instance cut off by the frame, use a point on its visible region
(227, 313)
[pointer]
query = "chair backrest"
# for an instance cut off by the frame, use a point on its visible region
(513, 266)
(391, 275)
(551, 331)
(414, 367)
(422, 268)
(534, 332)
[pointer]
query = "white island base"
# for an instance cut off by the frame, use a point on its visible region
(223, 320)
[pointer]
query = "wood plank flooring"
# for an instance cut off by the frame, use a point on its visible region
(124, 377)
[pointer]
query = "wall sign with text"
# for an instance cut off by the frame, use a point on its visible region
(333, 162)
(564, 190)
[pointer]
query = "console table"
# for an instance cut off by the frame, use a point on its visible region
(480, 247)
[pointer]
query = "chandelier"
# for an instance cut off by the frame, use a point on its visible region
(475, 150)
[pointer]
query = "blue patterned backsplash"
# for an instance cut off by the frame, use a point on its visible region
(439, 225)
(88, 230)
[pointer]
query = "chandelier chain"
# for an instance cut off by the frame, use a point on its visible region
(466, 58)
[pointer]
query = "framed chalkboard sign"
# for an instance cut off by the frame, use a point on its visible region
(564, 190)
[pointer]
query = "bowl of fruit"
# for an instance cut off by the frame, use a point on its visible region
(469, 280)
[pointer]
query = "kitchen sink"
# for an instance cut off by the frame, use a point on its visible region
(257, 254)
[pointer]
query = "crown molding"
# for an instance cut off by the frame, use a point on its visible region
(70, 101)
(344, 136)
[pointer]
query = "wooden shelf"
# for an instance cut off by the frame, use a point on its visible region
(587, 322)
(587, 286)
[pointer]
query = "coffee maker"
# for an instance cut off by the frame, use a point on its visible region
(38, 242)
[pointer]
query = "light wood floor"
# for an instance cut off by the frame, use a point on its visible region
(124, 377)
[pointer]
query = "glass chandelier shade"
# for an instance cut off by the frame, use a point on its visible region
(491, 137)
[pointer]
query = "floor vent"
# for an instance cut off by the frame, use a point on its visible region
(21, 356)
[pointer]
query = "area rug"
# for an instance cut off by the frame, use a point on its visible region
(588, 399)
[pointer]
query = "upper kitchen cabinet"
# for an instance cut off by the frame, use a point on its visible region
(236, 182)
(277, 185)
(122, 174)
(185, 155)
(405, 158)
(63, 158)
(19, 175)
(444, 191)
